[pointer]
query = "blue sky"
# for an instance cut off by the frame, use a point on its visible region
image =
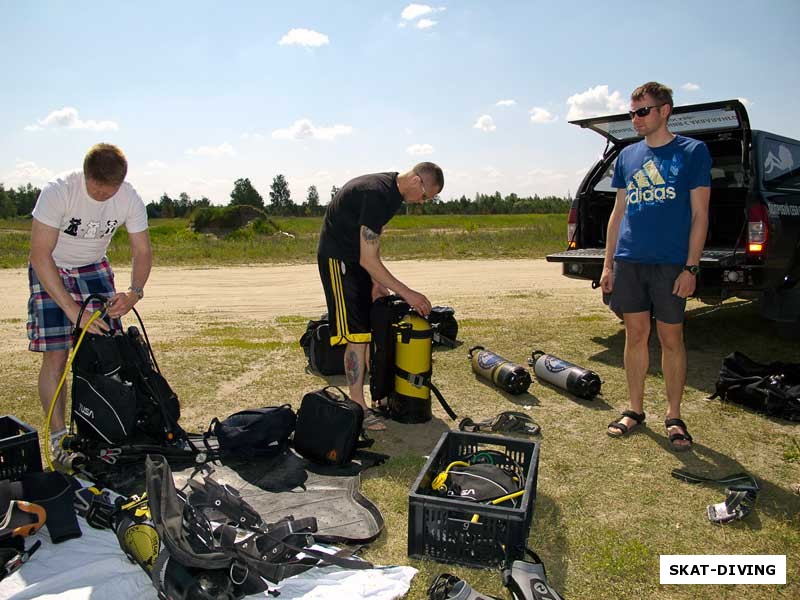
(199, 94)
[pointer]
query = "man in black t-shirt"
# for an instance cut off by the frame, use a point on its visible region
(350, 265)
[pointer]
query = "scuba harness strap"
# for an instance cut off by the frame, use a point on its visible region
(248, 548)
(424, 379)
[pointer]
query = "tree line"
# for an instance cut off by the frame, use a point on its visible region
(20, 202)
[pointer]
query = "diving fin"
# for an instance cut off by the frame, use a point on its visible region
(528, 581)
(22, 519)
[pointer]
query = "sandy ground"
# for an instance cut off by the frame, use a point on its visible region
(261, 292)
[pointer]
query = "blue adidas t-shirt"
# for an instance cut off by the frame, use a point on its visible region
(658, 211)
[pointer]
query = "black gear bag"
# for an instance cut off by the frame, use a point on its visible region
(330, 427)
(254, 432)
(444, 325)
(323, 358)
(772, 388)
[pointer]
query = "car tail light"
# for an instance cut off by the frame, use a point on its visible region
(757, 229)
(572, 226)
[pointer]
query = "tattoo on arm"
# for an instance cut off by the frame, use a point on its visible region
(369, 236)
(351, 367)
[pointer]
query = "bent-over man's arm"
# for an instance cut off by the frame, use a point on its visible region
(141, 264)
(370, 259)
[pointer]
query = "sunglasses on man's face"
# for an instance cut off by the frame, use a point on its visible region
(644, 111)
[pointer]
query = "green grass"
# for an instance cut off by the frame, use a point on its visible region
(406, 236)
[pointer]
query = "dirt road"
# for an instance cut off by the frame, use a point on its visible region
(266, 291)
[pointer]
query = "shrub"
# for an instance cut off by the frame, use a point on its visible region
(222, 220)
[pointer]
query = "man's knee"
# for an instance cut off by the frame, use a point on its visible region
(54, 361)
(637, 329)
(671, 337)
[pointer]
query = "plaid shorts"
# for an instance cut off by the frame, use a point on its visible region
(48, 326)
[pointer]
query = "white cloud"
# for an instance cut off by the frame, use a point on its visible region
(257, 137)
(491, 172)
(412, 11)
(67, 118)
(156, 164)
(745, 101)
(27, 171)
(304, 37)
(593, 102)
(420, 149)
(506, 103)
(224, 149)
(545, 174)
(541, 115)
(485, 123)
(690, 87)
(425, 23)
(304, 129)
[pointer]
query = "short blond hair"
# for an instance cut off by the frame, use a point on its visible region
(105, 163)
(432, 170)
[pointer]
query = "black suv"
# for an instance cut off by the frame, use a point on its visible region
(753, 243)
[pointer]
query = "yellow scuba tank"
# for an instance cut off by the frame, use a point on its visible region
(411, 400)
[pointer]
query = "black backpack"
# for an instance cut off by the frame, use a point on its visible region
(118, 392)
(254, 432)
(323, 358)
(772, 388)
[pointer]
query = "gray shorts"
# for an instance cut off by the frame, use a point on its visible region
(640, 287)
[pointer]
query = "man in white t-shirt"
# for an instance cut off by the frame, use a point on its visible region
(73, 222)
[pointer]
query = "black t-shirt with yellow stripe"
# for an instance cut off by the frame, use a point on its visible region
(369, 200)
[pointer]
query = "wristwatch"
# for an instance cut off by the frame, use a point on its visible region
(693, 269)
(137, 290)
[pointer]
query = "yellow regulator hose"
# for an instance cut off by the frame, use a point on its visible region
(47, 458)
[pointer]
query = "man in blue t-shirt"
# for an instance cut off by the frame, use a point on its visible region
(656, 234)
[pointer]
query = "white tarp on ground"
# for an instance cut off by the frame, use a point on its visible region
(93, 567)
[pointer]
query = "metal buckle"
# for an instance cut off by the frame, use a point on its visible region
(235, 565)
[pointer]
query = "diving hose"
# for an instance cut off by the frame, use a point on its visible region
(96, 315)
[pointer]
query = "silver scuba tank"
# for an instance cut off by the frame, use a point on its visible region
(576, 380)
(514, 379)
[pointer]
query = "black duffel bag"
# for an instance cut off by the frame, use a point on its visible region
(254, 432)
(323, 358)
(329, 427)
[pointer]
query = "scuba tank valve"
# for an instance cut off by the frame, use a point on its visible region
(576, 380)
(514, 379)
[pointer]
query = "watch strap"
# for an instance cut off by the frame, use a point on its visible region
(137, 290)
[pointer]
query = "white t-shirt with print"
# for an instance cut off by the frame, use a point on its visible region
(85, 225)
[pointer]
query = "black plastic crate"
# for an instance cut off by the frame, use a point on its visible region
(443, 529)
(19, 448)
